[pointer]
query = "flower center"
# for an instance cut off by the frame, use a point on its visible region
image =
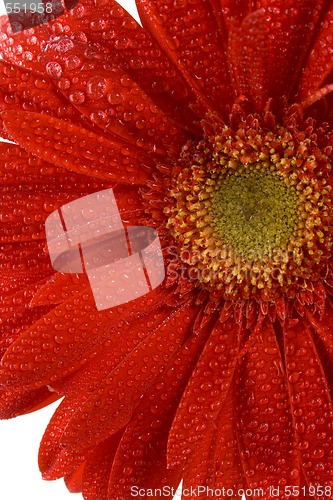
(254, 212)
(251, 219)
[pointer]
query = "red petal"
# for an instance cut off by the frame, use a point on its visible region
(32, 189)
(19, 167)
(215, 461)
(323, 327)
(129, 203)
(76, 148)
(15, 311)
(110, 25)
(25, 211)
(206, 390)
(33, 358)
(50, 398)
(311, 404)
(22, 259)
(19, 320)
(98, 467)
(218, 14)
(11, 284)
(13, 404)
(59, 288)
(22, 217)
(54, 460)
(120, 344)
(111, 406)
(135, 51)
(24, 90)
(266, 50)
(319, 61)
(230, 13)
(142, 451)
(106, 95)
(74, 480)
(23, 47)
(266, 436)
(68, 337)
(188, 34)
(20, 299)
(237, 10)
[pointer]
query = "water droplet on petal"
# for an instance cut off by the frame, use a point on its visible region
(96, 87)
(99, 117)
(318, 453)
(64, 84)
(73, 62)
(64, 44)
(41, 84)
(303, 445)
(115, 98)
(294, 377)
(53, 69)
(78, 97)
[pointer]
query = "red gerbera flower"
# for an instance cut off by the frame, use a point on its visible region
(212, 124)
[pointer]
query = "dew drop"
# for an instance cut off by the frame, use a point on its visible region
(72, 62)
(53, 69)
(57, 28)
(303, 445)
(96, 87)
(263, 427)
(294, 377)
(78, 97)
(99, 117)
(318, 453)
(294, 473)
(64, 84)
(115, 98)
(128, 471)
(300, 427)
(64, 44)
(41, 84)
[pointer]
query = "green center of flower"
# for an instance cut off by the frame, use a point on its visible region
(254, 212)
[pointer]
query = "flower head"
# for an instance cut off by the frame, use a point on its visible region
(212, 123)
